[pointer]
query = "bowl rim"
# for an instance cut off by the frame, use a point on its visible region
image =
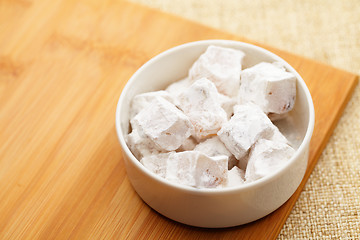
(243, 187)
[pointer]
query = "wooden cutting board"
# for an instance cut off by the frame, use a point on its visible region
(63, 65)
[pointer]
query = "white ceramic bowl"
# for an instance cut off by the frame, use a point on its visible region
(225, 207)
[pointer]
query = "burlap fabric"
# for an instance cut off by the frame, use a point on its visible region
(327, 31)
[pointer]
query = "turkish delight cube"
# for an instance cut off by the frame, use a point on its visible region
(163, 124)
(215, 147)
(211, 172)
(176, 88)
(200, 102)
(140, 146)
(181, 167)
(248, 124)
(269, 86)
(266, 157)
(220, 65)
(157, 163)
(144, 100)
(236, 177)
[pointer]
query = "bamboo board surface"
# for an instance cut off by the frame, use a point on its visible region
(63, 65)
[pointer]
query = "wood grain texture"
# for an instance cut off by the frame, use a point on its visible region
(63, 65)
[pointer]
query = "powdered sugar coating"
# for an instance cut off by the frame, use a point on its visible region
(211, 172)
(181, 167)
(248, 124)
(176, 88)
(215, 147)
(157, 163)
(200, 102)
(269, 86)
(220, 65)
(191, 168)
(267, 157)
(236, 176)
(163, 124)
(144, 100)
(140, 146)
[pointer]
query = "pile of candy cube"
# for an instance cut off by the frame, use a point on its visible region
(212, 129)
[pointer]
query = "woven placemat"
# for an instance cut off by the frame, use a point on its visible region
(327, 31)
